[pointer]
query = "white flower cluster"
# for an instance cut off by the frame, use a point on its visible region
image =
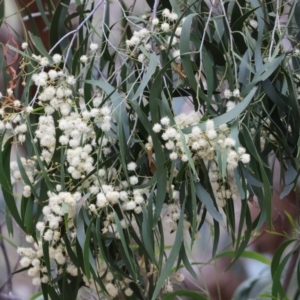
(202, 145)
(212, 145)
(31, 257)
(59, 204)
(265, 134)
(108, 195)
(223, 190)
(15, 122)
(84, 131)
(46, 136)
(173, 215)
(171, 281)
(112, 285)
(228, 94)
(141, 40)
(44, 61)
(29, 167)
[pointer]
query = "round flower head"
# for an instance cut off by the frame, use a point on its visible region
(209, 124)
(56, 58)
(227, 94)
(165, 26)
(111, 289)
(156, 128)
(94, 47)
(128, 292)
(230, 105)
(245, 158)
(178, 31)
(133, 180)
(131, 166)
(141, 58)
(84, 59)
(24, 46)
(17, 103)
(155, 21)
(176, 55)
(253, 23)
(173, 156)
(166, 12)
(71, 80)
(44, 61)
(236, 93)
(165, 121)
(52, 74)
(172, 16)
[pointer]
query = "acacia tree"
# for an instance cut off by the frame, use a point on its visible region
(109, 166)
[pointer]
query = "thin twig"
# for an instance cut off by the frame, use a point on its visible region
(154, 11)
(75, 31)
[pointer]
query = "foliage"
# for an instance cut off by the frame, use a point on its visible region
(109, 167)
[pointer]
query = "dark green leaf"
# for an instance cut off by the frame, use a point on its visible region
(206, 199)
(190, 294)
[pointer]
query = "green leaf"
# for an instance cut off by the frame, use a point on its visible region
(190, 294)
(185, 51)
(38, 44)
(241, 246)
(88, 259)
(209, 72)
(57, 29)
(273, 94)
(267, 207)
(43, 13)
(126, 249)
(277, 267)
(230, 115)
(9, 222)
(5, 180)
(29, 220)
(173, 255)
(124, 150)
(146, 78)
(24, 174)
(86, 252)
(40, 162)
(117, 101)
(246, 254)
(147, 235)
(8, 241)
(192, 205)
(188, 153)
(267, 69)
(186, 261)
(159, 163)
(298, 273)
(206, 199)
(238, 24)
(37, 296)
